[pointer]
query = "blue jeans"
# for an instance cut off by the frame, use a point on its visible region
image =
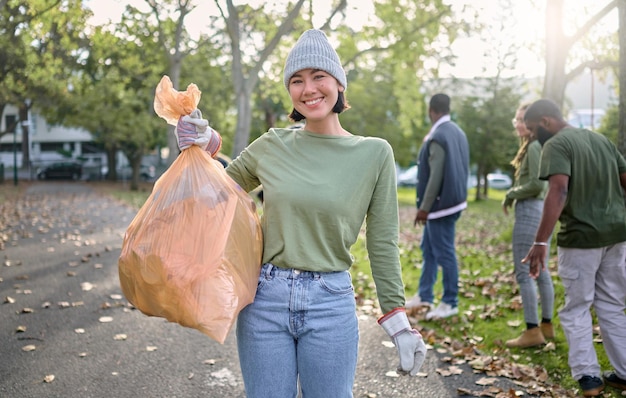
(301, 325)
(438, 248)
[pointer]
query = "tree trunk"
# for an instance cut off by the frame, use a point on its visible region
(111, 164)
(23, 112)
(244, 119)
(556, 53)
(135, 163)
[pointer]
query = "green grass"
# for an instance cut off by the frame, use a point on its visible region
(490, 311)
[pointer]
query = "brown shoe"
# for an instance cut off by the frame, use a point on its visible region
(530, 338)
(547, 330)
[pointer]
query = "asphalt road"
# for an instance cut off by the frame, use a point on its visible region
(59, 283)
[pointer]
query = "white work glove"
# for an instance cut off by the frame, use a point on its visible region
(408, 341)
(194, 130)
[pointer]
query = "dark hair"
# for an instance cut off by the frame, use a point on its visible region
(340, 106)
(440, 103)
(541, 108)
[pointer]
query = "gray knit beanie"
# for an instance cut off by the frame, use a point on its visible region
(313, 51)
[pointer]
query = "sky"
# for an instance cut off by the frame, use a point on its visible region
(520, 27)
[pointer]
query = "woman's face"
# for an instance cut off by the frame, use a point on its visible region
(314, 93)
(520, 126)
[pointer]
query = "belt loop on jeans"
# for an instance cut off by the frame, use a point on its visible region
(268, 271)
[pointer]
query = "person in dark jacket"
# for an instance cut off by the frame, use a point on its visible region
(443, 169)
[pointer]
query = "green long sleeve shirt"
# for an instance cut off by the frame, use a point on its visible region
(436, 160)
(318, 190)
(527, 184)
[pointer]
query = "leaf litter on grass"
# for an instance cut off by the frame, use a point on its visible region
(490, 295)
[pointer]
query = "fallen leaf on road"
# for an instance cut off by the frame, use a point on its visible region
(209, 362)
(27, 310)
(116, 297)
(486, 381)
(388, 344)
(190, 376)
(63, 304)
(452, 370)
(491, 392)
(455, 370)
(9, 300)
(86, 286)
(82, 354)
(151, 348)
(71, 273)
(30, 347)
(79, 330)
(120, 337)
(20, 329)
(392, 373)
(105, 319)
(97, 266)
(48, 379)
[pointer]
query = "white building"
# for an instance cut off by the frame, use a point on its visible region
(48, 143)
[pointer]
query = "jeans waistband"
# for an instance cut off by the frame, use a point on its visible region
(270, 270)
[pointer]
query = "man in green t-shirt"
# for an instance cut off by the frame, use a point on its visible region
(587, 177)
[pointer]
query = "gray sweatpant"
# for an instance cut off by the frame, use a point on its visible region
(594, 277)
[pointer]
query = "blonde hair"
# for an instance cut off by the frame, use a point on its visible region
(524, 143)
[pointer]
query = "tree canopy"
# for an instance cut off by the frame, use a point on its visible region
(103, 78)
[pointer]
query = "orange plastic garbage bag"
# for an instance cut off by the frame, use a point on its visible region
(171, 104)
(192, 254)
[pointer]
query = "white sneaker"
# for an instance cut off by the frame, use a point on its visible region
(443, 310)
(416, 302)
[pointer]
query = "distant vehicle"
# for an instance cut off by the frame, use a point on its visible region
(499, 181)
(586, 118)
(61, 170)
(146, 172)
(408, 178)
(496, 180)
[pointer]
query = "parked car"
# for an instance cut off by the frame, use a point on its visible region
(499, 181)
(408, 178)
(61, 170)
(146, 172)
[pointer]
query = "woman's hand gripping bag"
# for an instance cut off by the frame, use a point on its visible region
(192, 254)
